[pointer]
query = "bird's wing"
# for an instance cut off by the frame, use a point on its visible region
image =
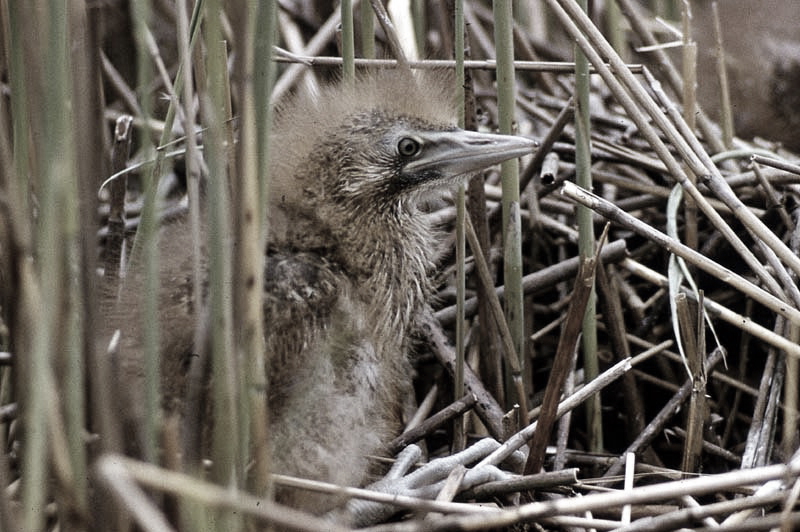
(300, 285)
(301, 290)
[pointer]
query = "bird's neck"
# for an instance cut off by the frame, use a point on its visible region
(389, 262)
(390, 249)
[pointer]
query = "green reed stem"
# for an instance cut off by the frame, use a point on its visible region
(586, 240)
(512, 240)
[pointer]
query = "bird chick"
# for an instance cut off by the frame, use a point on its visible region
(349, 259)
(346, 270)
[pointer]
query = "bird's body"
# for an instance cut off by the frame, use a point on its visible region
(347, 265)
(347, 273)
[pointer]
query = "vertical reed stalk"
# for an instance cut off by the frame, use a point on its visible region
(184, 85)
(512, 243)
(419, 21)
(726, 113)
(225, 445)
(615, 29)
(586, 240)
(86, 111)
(19, 104)
(348, 42)
(47, 304)
(689, 97)
(367, 31)
(791, 396)
(39, 316)
(459, 439)
(147, 244)
(248, 254)
(263, 83)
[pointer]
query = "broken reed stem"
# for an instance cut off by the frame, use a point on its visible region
(691, 331)
(570, 334)
(546, 144)
(120, 152)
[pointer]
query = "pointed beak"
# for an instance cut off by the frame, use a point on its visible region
(455, 153)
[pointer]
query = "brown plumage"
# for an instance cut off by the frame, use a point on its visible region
(347, 265)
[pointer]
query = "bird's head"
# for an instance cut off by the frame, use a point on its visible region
(382, 142)
(380, 157)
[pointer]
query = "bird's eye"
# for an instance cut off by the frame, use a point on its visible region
(408, 147)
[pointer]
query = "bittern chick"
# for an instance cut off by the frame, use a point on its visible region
(347, 267)
(349, 259)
